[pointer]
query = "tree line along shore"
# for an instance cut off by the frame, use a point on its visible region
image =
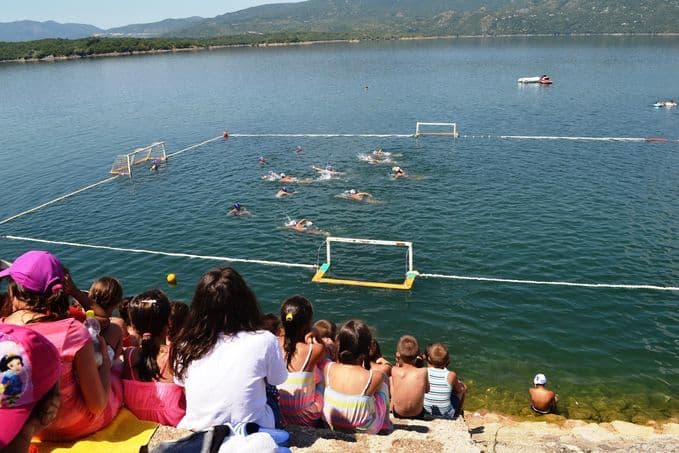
(68, 49)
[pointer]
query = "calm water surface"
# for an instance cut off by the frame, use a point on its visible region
(599, 212)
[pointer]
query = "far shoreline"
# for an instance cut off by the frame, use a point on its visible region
(52, 58)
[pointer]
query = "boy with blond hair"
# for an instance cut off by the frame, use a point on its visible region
(446, 395)
(408, 382)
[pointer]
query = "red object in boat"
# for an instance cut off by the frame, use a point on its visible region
(545, 80)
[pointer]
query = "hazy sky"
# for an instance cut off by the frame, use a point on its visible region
(114, 13)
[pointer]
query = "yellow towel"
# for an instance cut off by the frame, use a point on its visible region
(126, 433)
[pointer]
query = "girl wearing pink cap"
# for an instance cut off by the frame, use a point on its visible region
(90, 402)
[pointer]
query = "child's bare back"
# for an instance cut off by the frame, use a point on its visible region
(408, 386)
(408, 382)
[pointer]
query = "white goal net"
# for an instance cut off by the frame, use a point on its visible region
(446, 129)
(155, 153)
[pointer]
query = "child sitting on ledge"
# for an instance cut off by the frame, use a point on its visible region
(408, 382)
(446, 394)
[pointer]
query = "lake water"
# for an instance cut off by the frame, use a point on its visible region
(596, 212)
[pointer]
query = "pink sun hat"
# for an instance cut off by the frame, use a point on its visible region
(29, 368)
(36, 271)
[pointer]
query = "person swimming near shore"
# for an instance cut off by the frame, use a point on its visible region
(543, 401)
(353, 194)
(284, 192)
(262, 160)
(299, 150)
(238, 210)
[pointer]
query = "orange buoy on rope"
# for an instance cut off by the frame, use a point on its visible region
(226, 134)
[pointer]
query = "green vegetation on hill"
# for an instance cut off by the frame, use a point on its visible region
(99, 46)
(448, 17)
(319, 20)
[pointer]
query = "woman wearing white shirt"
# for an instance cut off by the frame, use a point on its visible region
(223, 359)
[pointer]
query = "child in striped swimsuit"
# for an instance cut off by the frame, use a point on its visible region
(446, 395)
(356, 399)
(301, 399)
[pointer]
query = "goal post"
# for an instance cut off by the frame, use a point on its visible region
(122, 164)
(445, 129)
(410, 275)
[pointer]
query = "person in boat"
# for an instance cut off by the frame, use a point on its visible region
(238, 210)
(398, 172)
(262, 160)
(284, 192)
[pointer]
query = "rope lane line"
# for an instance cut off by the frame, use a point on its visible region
(63, 197)
(156, 252)
(311, 266)
(325, 135)
(556, 137)
(188, 148)
(538, 282)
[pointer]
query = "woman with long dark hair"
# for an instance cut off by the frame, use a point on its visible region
(223, 358)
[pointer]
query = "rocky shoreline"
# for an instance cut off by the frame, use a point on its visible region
(484, 431)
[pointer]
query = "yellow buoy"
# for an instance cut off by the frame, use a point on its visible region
(171, 279)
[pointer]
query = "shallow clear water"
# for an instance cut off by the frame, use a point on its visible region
(599, 212)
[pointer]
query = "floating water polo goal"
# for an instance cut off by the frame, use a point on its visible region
(444, 129)
(320, 277)
(122, 165)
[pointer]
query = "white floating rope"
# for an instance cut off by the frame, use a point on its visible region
(156, 252)
(538, 282)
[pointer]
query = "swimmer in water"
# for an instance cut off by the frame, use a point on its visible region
(271, 176)
(284, 192)
(287, 178)
(398, 172)
(238, 210)
(299, 150)
(303, 226)
(155, 164)
(262, 160)
(328, 172)
(353, 194)
(379, 152)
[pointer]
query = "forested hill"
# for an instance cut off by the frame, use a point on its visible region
(29, 30)
(448, 17)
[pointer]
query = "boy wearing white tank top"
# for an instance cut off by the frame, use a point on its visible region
(446, 394)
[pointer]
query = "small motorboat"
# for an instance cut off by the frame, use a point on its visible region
(667, 104)
(543, 80)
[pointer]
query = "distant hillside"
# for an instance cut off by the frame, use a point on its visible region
(28, 30)
(446, 17)
(164, 27)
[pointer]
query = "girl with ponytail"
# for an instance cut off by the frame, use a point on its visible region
(301, 399)
(37, 294)
(149, 390)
